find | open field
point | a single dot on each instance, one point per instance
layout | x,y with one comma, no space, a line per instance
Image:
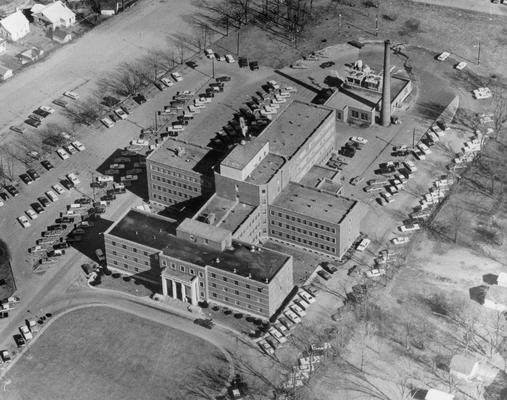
103,353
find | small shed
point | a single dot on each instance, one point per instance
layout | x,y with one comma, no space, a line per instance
5,73
502,279
464,367
61,35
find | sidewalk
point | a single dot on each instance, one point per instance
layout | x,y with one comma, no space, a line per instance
484,6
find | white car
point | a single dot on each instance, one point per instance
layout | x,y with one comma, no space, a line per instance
425,149
177,76
104,179
209,53
306,296
100,255
1,203
410,165
167,81
36,249
461,66
27,335
65,135
73,178
301,303
443,56
374,273
409,227
291,89
58,188
400,240
24,221
78,145
52,195
139,142
120,113
359,139
62,153
71,95
363,244
297,309
108,122
277,335
229,58
31,213
130,177
292,316
47,109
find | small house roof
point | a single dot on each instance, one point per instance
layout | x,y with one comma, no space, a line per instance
54,12
462,364
497,294
4,69
13,22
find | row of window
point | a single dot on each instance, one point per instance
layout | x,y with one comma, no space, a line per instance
175,183
236,282
303,221
304,231
182,268
238,303
125,266
357,114
237,293
124,246
133,258
174,173
164,198
304,241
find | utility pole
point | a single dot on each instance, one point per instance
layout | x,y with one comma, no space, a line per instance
213,66
479,54
237,44
413,139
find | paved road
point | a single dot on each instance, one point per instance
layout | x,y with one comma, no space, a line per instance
484,6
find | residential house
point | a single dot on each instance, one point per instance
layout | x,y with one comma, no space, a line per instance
53,15
502,279
464,367
61,35
496,298
14,26
30,55
3,45
5,73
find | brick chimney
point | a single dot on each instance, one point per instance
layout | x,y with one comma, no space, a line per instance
386,86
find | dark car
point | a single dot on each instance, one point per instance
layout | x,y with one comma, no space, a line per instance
192,64
98,210
67,184
60,102
60,246
47,164
205,323
35,117
330,268
243,62
37,208
56,227
324,275
32,122
12,190
160,86
41,113
33,174
139,99
4,314
119,190
110,101
224,78
43,200
64,220
254,65
26,179
4,196
108,197
327,64
83,200
54,253
20,342
100,185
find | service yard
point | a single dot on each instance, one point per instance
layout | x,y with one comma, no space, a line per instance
99,352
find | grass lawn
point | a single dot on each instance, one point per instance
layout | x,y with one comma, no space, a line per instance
101,353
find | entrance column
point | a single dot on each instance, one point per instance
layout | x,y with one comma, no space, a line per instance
183,293
164,286
174,288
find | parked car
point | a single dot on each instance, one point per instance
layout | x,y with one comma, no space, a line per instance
37,208
12,190
306,296
5,355
277,335
292,316
24,221
58,188
443,56
209,53
329,268
100,255
108,122
43,201
78,145
358,139
177,76
20,341
61,102
409,227
297,309
26,179
72,177
47,109
71,95
31,213
120,113
33,174
229,58
18,128
266,347
52,195
47,164
363,244
62,153
400,240
324,275
33,122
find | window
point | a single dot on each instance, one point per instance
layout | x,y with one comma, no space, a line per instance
213,285
355,114
214,294
115,262
201,275
136,269
145,253
114,253
225,289
134,250
364,116
225,279
147,263
226,298
125,266
247,286
236,292
248,296
135,259
201,284
125,257
202,294
124,246
182,268
213,275
113,243
236,283
259,289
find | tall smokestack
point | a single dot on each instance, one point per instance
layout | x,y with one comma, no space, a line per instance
386,86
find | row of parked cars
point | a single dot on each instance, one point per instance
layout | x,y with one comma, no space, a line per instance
279,331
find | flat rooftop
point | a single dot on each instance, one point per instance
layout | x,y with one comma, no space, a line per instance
266,169
159,233
238,214
147,229
285,134
218,206
316,175
186,156
314,203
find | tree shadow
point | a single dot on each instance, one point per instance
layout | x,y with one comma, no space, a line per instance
490,279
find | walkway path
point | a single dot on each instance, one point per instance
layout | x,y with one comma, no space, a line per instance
484,6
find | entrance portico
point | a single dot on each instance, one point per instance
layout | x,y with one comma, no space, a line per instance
180,286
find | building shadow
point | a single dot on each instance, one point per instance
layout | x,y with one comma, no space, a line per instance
490,279
478,293
92,239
